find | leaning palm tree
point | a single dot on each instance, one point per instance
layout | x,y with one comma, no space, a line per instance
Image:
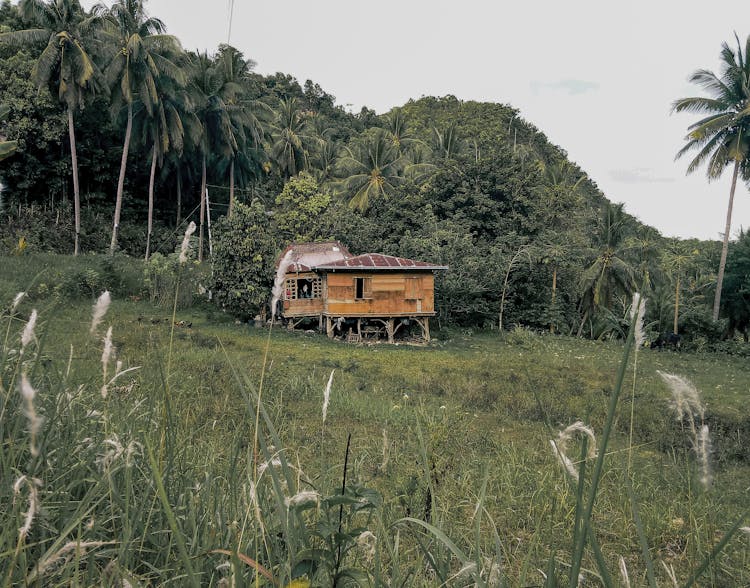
143,54
372,169
65,62
722,138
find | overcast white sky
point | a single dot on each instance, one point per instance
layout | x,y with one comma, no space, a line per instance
597,77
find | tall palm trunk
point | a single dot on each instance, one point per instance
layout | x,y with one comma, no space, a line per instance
676,304
179,197
725,244
76,189
121,180
151,201
203,207
231,188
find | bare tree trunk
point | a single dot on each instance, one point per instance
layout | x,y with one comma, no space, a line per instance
676,305
725,245
76,190
231,188
203,208
179,196
151,201
121,180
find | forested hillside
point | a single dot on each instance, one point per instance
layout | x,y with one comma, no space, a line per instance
134,143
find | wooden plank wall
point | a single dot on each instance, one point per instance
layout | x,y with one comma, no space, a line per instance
390,294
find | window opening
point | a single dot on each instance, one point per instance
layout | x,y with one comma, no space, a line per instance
362,288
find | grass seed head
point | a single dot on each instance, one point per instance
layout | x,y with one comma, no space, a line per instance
35,421
16,301
686,400
278,281
100,309
560,447
624,573
327,396
185,247
33,484
304,498
703,449
28,332
637,312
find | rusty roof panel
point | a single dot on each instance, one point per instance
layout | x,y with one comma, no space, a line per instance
378,261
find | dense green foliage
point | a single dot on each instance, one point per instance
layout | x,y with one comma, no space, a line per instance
529,239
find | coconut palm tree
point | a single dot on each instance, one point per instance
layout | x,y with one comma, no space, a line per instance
371,169
248,119
65,62
288,149
143,54
165,130
722,138
610,274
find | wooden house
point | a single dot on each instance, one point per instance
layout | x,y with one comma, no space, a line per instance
363,296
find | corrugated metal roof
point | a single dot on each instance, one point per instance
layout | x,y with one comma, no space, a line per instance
378,261
305,256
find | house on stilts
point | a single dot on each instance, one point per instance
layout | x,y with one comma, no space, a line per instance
361,297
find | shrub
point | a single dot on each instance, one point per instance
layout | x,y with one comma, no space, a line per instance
243,261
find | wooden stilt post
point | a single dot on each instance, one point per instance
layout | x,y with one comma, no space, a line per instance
359,328
426,329
389,327
329,327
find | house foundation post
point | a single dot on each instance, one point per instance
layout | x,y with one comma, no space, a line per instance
329,327
389,327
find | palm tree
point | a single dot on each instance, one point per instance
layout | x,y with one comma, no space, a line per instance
446,143
248,119
722,138
143,54
289,139
609,274
65,61
372,169
398,131
165,131
677,258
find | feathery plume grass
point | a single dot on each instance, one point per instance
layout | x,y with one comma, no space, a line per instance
28,331
278,281
637,312
100,309
327,396
77,548
624,573
35,421
367,541
384,463
560,446
686,399
33,484
185,247
686,402
745,530
304,498
106,356
16,301
703,449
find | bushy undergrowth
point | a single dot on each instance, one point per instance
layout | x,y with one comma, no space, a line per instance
204,459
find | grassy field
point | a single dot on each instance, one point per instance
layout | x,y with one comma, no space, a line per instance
159,476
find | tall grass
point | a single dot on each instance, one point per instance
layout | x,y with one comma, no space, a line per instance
126,488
